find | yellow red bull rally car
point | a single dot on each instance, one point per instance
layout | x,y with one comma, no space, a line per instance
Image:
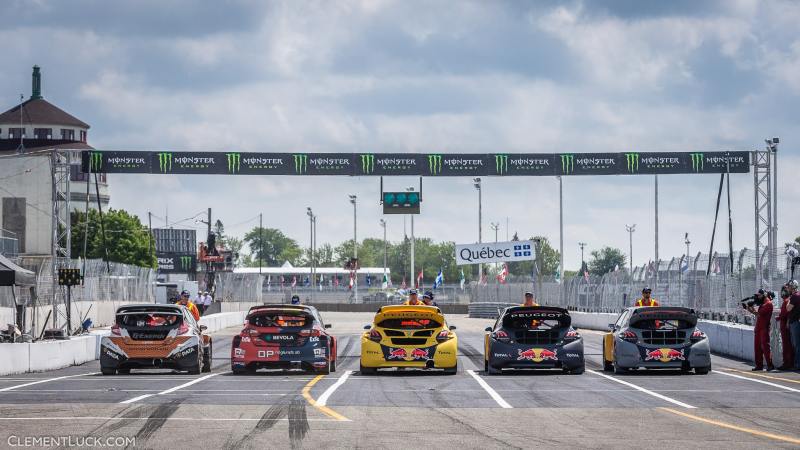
409,336
656,337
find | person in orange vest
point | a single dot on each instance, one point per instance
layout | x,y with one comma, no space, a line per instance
645,299
529,300
413,299
184,300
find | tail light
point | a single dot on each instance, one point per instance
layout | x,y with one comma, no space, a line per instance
375,335
310,332
629,336
500,335
572,335
443,335
115,330
698,335
183,328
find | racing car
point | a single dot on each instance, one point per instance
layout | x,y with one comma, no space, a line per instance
406,336
282,336
155,336
533,337
656,337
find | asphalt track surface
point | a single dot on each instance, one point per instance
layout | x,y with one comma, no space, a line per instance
730,407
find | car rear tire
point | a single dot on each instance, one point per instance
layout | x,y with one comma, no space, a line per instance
207,357
493,371
575,370
702,370
620,370
108,371
124,371
451,370
367,370
485,365
608,366
198,366
238,370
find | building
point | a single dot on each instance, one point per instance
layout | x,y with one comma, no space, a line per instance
30,133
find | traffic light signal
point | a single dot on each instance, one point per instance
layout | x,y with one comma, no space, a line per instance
401,202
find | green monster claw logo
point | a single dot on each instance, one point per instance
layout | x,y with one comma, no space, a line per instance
300,164
435,164
186,262
234,162
367,164
632,159
697,161
95,161
501,164
567,164
165,162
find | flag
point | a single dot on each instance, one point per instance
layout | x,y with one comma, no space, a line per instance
501,277
294,280
369,280
352,280
715,269
404,285
439,280
336,281
282,280
462,280
321,281
269,281
385,282
419,277
585,271
558,275
685,265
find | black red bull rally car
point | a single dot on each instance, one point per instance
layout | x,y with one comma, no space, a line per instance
656,337
533,337
283,336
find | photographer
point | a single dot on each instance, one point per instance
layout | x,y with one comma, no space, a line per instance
760,305
793,309
783,324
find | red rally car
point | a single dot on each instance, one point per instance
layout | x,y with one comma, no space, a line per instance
283,336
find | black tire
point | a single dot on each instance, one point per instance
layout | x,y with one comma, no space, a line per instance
332,356
576,370
451,370
197,367
485,365
124,371
620,370
367,370
207,357
702,370
493,371
108,371
608,366
238,370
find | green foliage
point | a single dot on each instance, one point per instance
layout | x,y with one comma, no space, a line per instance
127,239
606,260
275,249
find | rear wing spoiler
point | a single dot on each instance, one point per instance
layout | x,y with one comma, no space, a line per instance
408,311
149,309
539,313
664,313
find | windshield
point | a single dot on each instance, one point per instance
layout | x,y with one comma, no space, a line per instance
149,320
654,324
409,324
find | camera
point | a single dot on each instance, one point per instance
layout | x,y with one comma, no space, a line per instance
757,299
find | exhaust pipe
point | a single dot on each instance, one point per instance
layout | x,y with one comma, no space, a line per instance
429,364
158,362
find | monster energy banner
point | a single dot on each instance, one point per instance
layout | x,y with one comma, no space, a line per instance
176,263
415,164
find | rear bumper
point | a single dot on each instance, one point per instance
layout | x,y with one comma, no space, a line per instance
631,355
311,355
181,355
437,356
522,356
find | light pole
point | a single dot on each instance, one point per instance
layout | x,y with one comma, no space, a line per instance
495,226
630,229
581,245
355,248
687,242
413,276
385,279
477,184
311,222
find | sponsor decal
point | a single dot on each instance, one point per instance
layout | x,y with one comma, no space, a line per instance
396,163
186,352
282,337
300,163
234,162
329,163
186,262
239,352
501,164
420,353
434,164
367,163
111,354
95,161
502,355
319,352
538,315
164,162
397,353
536,355
632,161
572,355
664,355
697,162
567,164
313,339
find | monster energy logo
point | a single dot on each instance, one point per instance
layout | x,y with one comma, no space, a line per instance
95,161
632,159
300,164
697,161
165,162
234,162
367,163
435,164
501,163
567,164
186,262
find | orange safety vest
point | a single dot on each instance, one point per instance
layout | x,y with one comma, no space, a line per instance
193,309
653,302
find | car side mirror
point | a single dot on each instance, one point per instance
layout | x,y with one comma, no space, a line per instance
489,329
203,327
367,327
452,327
327,325
612,326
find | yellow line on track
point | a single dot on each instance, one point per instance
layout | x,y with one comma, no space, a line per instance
764,434
323,409
764,376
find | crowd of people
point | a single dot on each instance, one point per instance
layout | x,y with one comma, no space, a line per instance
788,322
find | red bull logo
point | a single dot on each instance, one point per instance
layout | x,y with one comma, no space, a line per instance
419,353
664,355
536,355
397,353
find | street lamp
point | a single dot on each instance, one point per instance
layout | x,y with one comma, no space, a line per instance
477,184
385,279
312,219
355,248
581,245
413,276
630,229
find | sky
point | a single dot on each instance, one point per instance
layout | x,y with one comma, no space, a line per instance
414,76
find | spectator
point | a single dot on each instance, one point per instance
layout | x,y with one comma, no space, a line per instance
207,301
761,347
793,309
184,301
199,302
786,336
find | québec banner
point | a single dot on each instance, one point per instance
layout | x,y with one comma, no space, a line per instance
491,252
415,164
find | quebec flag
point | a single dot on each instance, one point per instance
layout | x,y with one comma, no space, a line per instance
439,280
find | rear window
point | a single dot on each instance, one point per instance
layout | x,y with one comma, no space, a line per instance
149,320
409,324
281,320
525,321
654,324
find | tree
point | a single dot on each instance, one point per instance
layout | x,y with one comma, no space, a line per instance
127,239
235,245
219,230
276,249
606,260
